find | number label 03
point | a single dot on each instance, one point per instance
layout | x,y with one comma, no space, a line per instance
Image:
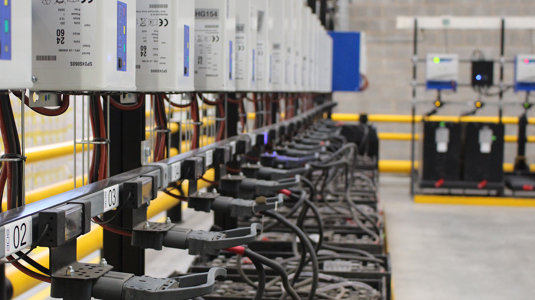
111,198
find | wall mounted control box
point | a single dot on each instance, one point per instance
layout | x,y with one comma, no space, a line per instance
278,33
246,27
165,30
525,73
263,47
15,47
84,45
482,73
215,45
442,71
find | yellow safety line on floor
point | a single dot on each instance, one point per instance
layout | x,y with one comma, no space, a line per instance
474,200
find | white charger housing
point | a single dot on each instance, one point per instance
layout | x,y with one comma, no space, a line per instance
246,28
215,45
263,47
278,33
289,37
84,45
299,11
165,31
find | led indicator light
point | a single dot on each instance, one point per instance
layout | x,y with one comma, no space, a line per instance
124,48
6,26
436,60
442,124
124,29
478,77
6,2
494,138
526,61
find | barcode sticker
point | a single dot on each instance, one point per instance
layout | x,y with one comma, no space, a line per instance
18,236
157,5
111,198
46,57
175,171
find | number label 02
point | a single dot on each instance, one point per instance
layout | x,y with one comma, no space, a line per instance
18,236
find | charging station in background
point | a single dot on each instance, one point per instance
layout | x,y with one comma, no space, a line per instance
349,61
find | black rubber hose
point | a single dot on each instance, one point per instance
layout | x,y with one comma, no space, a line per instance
308,245
260,290
277,268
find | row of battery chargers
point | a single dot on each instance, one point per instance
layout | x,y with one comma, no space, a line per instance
170,46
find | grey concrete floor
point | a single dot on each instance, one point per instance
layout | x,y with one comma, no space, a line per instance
458,252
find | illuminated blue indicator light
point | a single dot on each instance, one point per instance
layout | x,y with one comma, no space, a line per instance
265,138
478,77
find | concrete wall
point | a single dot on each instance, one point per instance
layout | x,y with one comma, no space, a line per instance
390,52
